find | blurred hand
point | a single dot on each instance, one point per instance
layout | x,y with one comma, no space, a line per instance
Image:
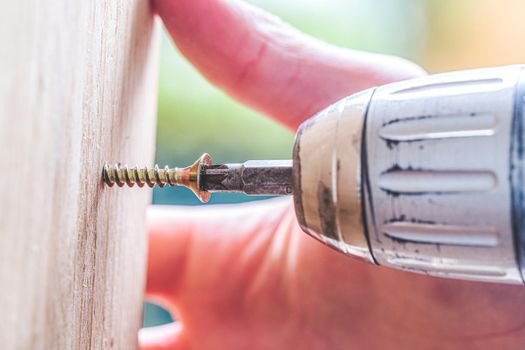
245,276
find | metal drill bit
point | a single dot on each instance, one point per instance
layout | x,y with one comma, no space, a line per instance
254,177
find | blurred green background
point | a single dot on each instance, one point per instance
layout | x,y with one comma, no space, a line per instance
195,117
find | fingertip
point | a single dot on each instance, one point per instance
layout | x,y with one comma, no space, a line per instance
399,68
165,337
169,236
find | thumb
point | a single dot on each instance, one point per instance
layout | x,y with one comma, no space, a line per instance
188,246
203,258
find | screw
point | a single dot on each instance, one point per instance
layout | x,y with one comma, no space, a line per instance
188,177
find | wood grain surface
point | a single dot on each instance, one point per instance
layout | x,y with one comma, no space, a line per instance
77,88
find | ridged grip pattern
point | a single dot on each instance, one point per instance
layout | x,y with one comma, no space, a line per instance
437,182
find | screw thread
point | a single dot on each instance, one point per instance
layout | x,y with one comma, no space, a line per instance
123,175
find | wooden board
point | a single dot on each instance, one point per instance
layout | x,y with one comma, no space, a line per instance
77,88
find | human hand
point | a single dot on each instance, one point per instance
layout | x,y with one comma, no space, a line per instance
246,276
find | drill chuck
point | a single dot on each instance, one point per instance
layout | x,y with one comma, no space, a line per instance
425,175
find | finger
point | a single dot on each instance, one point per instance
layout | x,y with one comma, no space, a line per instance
165,337
269,65
190,248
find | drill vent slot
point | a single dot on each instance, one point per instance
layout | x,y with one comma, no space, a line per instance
459,235
427,181
437,127
451,88
444,269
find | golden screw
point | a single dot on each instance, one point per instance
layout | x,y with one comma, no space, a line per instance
188,177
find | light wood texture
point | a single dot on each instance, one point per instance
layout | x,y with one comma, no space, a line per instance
77,88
